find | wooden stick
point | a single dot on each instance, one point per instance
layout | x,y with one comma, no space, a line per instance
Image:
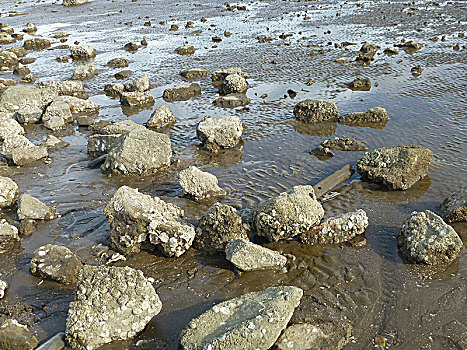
333,180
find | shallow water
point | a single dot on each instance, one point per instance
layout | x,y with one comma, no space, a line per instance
411,306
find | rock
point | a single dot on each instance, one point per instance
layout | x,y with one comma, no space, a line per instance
223,132
8,232
231,101
114,89
161,118
9,126
36,44
63,58
411,45
84,72
219,75
312,111
61,35
391,50
118,62
65,88
8,192
15,336
79,107
53,142
173,27
74,2
181,92
217,227
140,84
360,84
30,28
252,321
398,168
417,70
22,70
248,256
233,83
123,74
57,342
287,215
5,83
6,39
139,152
55,263
195,73
119,128
84,52
367,52
373,116
14,141
454,208
8,60
426,238
18,51
32,208
28,79
3,288
185,50
199,184
26,227
22,151
137,99
342,60
338,144
323,336
15,97
111,303
131,46
57,114
337,230
172,238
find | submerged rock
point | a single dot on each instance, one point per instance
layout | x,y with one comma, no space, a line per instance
199,184
287,215
373,116
312,111
8,192
360,84
181,92
426,238
398,168
195,73
411,45
111,303
339,144
57,342
161,118
15,336
454,208
232,84
248,256
84,52
252,321
32,208
231,101
223,132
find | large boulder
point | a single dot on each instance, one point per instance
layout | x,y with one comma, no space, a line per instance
454,208
249,322
139,152
217,227
21,151
375,115
425,238
398,168
84,52
111,303
312,111
15,336
8,192
199,184
287,215
181,92
223,132
32,208
15,97
161,118
233,83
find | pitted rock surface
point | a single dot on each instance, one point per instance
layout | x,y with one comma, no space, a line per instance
375,115
84,52
8,233
233,83
140,84
15,336
9,126
195,73
65,88
223,132
15,97
312,111
172,238
161,118
454,208
32,208
137,99
84,72
8,192
199,184
181,92
219,75
248,256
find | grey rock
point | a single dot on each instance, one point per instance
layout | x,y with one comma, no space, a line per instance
217,227
252,321
32,208
140,84
139,152
15,97
118,62
26,227
22,156
111,303
57,342
172,238
18,51
398,168
3,288
137,99
28,79
8,232
233,83
9,126
181,92
15,336
8,192
65,88
367,52
195,73
99,145
338,229
84,72
454,208
80,107
114,89
28,114
120,127
223,132
56,263
8,60
74,2
199,184
248,256
219,75
185,50
161,118
312,111
84,52
36,44
53,142
231,101
375,115
14,141
360,84
425,238
57,114
287,215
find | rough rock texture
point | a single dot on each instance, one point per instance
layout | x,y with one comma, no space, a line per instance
118,62
21,151
185,50
454,208
114,89
231,101
161,118
233,83
57,114
367,52
84,52
140,84
57,342
360,84
426,238
138,152
65,88
287,215
36,44
218,226
15,336
6,39
375,115
56,263
123,74
84,72
411,45
14,141
9,126
312,111
252,321
172,238
8,232
111,303
398,168
3,288
74,2
30,28
248,256
32,208
53,142
15,97
8,192
324,336
18,51
223,132
182,92
8,60
28,114
137,99
195,73
131,46
219,75
199,184
338,229
339,144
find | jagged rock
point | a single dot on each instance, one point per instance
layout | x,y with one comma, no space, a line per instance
185,50
6,39
22,151
454,208
161,118
217,227
375,115
74,2
231,101
172,238
114,89
8,60
338,144
140,84
287,215
338,229
15,97
99,145
56,263
8,192
18,51
9,126
426,238
181,92
248,256
14,141
252,321
223,132
30,28
111,303
199,184
3,288
312,111
36,44
8,232
84,72
195,73
66,88
137,99
398,168
118,62
32,208
232,84
367,52
360,84
57,114
84,52
79,107
219,75
15,336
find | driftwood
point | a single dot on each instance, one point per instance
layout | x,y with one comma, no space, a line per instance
333,180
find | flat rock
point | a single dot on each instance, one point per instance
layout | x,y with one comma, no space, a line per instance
425,238
161,118
252,321
181,92
32,208
199,184
312,111
9,126
84,52
22,156
123,74
339,144
137,99
66,88
233,84
8,192
287,215
57,342
454,208
195,73
223,132
373,116
231,101
15,336
36,44
15,97
397,168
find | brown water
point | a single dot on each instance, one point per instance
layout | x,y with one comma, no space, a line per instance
413,307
